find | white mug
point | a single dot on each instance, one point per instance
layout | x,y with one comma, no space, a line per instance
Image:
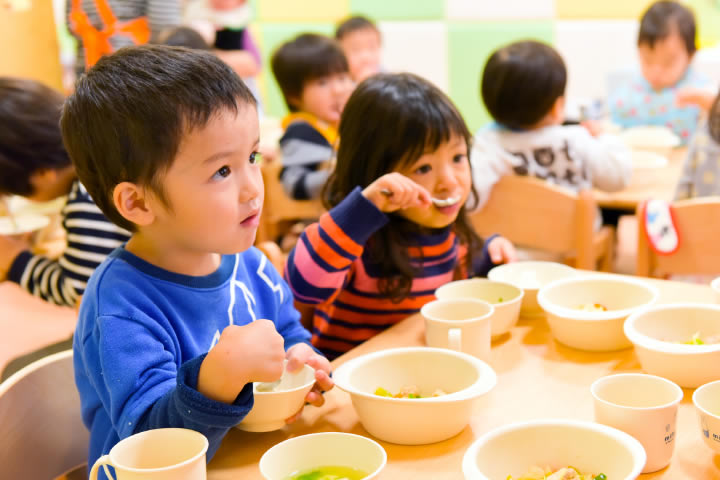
160,454
644,406
459,324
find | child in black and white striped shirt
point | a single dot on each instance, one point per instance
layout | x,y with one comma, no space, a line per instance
35,165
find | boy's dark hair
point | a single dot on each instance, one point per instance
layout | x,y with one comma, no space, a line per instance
130,112
302,59
183,37
410,117
521,82
664,17
353,24
30,139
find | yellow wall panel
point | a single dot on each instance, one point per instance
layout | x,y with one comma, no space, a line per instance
302,10
600,9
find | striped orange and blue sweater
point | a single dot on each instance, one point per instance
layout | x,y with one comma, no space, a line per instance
329,268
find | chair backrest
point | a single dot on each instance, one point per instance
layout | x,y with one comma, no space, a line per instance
40,425
533,213
279,206
697,221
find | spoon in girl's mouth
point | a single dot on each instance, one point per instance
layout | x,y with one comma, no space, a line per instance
438,202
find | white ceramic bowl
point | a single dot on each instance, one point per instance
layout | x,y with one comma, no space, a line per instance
589,330
306,452
504,297
657,334
530,276
707,406
415,421
270,409
589,447
715,284
653,138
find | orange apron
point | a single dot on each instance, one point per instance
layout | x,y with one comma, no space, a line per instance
97,42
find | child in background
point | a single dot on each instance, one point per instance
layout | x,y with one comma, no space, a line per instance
35,165
666,46
183,37
361,41
176,324
523,88
701,172
396,229
312,73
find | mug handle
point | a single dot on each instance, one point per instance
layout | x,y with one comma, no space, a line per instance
455,339
103,461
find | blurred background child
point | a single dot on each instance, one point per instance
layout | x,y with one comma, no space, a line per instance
35,165
396,229
701,171
666,46
523,88
361,41
312,73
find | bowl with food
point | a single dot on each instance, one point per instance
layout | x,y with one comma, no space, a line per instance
324,456
530,276
415,395
588,312
554,450
506,299
680,342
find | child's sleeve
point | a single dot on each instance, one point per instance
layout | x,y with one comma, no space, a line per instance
304,150
163,14
132,365
482,263
608,161
319,264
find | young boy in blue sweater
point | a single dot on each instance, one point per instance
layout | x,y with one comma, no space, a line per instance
176,325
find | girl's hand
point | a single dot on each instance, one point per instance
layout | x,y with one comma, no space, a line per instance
394,191
501,250
301,354
690,96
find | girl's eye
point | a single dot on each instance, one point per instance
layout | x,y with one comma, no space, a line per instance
255,158
222,172
423,169
459,158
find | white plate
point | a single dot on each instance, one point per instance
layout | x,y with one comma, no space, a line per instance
25,223
23,206
642,159
651,136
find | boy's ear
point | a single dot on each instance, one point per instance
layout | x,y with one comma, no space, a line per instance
131,201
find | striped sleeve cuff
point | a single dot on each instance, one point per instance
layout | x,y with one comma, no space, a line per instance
358,217
18,266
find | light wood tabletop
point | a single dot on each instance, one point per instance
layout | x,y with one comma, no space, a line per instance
646,183
537,378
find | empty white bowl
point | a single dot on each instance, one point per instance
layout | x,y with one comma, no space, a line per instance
707,406
530,276
658,333
419,421
308,452
715,285
653,138
589,447
271,409
590,330
504,297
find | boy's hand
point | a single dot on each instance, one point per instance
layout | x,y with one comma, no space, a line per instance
395,191
501,250
251,353
301,354
593,127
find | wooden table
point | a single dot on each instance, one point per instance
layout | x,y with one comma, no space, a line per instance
537,378
646,183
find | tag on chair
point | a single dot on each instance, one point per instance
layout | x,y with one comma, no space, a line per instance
659,226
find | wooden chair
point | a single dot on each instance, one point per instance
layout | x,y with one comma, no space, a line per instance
698,224
40,425
279,208
533,213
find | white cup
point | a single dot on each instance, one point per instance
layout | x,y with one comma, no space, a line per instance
644,406
459,324
160,454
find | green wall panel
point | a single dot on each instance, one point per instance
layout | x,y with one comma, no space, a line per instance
399,9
